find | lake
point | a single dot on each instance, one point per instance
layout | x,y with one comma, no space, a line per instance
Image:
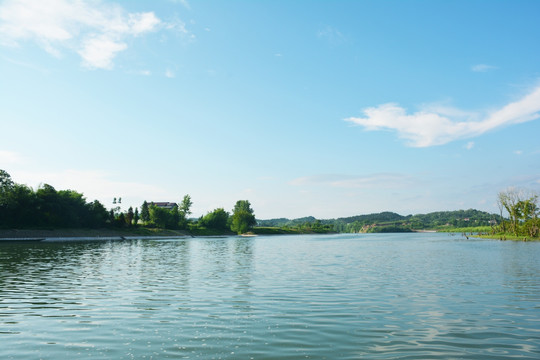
368,296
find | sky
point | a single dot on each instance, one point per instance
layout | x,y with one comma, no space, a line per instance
304,108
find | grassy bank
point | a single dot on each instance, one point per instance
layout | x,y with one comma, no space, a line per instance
268,230
466,230
502,236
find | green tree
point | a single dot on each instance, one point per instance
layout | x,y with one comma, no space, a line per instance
73,208
160,217
6,184
97,215
6,187
129,216
120,220
136,217
175,221
145,212
522,208
19,208
185,206
243,218
216,219
49,205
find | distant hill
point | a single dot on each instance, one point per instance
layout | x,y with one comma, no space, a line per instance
286,222
390,221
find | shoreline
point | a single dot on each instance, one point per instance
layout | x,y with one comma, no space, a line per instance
91,238
80,235
58,235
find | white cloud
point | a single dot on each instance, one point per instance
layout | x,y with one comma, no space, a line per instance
140,23
518,152
437,126
96,31
170,74
483,68
99,52
469,145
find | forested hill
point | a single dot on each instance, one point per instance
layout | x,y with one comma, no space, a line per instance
390,221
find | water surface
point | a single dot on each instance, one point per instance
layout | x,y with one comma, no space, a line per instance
391,296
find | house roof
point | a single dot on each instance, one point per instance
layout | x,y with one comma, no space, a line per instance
164,204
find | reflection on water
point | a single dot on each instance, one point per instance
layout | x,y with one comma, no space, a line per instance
388,296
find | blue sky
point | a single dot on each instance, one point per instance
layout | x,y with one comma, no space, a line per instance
322,108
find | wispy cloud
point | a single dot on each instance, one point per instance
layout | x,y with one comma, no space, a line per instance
10,157
184,3
380,180
469,145
179,27
483,68
96,31
170,74
331,34
437,125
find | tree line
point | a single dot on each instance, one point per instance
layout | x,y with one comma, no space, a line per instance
22,207
46,207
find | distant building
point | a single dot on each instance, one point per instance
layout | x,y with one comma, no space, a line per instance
164,205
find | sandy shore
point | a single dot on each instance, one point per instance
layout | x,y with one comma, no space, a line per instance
85,235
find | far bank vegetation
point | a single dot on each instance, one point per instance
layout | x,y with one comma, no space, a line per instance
21,207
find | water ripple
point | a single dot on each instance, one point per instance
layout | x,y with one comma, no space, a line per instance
333,297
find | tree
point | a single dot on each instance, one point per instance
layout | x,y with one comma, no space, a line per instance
161,217
145,212
97,214
6,184
175,217
522,206
49,205
136,217
19,207
216,219
6,187
508,199
501,207
186,205
243,218
112,217
121,220
129,216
